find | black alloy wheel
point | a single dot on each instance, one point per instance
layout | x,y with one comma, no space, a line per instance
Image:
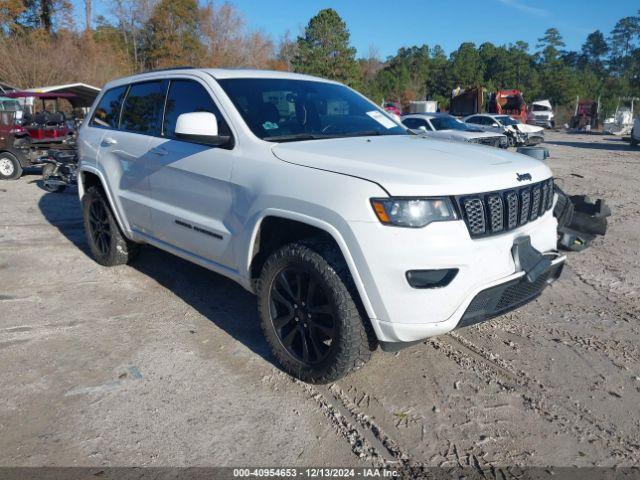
108,245
99,227
302,315
308,312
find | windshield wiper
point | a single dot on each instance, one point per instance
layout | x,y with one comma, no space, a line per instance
368,133
315,136
294,137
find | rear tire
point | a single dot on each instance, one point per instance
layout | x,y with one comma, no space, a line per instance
47,172
308,315
10,168
108,245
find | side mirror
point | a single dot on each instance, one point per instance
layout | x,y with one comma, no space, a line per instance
422,128
200,127
495,124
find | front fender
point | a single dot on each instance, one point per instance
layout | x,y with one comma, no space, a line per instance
115,208
337,228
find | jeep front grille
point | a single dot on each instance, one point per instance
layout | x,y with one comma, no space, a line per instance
496,212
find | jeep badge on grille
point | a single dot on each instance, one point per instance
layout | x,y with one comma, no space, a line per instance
521,177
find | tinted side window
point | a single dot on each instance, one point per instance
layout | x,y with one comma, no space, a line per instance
142,108
410,122
475,120
488,121
415,123
186,96
107,112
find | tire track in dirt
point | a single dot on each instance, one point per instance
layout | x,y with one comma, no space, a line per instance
352,419
572,419
618,352
386,450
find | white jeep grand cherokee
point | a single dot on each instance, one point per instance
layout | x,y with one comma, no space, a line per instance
352,231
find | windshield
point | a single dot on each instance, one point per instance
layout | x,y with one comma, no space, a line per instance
10,104
449,123
541,108
507,120
284,110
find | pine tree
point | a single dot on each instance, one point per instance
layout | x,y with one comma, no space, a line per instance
324,49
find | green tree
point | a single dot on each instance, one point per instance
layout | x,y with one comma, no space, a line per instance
623,40
172,34
324,50
595,47
550,45
467,68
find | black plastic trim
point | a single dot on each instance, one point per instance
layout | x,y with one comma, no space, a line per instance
446,276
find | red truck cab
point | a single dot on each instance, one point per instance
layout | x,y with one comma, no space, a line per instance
508,102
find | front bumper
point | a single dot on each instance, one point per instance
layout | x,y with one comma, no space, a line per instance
494,299
405,314
505,297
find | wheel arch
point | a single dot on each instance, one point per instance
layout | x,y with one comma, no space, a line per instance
89,177
307,225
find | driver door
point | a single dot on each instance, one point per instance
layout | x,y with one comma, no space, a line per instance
189,182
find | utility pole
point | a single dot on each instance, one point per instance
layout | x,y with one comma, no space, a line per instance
87,12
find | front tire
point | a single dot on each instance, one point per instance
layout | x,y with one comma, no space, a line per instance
108,245
10,168
308,315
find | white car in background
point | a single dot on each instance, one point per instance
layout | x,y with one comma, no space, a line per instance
519,133
447,127
541,114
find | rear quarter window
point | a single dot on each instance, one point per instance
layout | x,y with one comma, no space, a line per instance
107,113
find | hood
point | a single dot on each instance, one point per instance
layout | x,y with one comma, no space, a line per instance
415,165
462,134
526,128
543,103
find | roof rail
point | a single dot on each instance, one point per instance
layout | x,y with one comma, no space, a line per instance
186,67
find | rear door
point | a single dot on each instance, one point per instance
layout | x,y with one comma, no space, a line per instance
190,182
123,152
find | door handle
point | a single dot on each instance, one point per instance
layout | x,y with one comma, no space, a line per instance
108,141
160,151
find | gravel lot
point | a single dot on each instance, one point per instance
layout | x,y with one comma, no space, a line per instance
163,363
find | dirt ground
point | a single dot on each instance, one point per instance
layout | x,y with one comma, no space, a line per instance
163,363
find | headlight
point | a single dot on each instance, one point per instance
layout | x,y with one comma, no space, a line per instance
413,212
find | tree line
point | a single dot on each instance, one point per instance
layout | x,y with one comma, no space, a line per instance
41,43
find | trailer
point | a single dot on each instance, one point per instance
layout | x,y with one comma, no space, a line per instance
466,101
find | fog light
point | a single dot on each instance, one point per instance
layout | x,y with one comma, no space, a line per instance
431,278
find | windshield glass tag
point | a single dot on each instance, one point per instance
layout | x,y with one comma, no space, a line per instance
381,119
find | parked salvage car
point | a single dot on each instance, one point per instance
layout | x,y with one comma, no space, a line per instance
352,231
621,122
517,132
448,127
541,114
